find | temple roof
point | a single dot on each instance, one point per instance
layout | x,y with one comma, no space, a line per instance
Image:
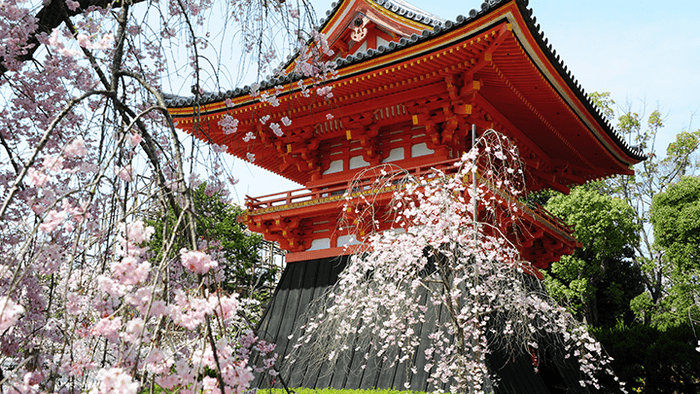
535,46
398,7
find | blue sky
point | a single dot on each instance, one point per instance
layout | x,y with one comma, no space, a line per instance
646,53
637,50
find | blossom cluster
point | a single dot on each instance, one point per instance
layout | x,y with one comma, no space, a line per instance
439,256
99,292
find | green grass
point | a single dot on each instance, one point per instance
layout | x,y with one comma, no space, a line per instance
160,390
336,391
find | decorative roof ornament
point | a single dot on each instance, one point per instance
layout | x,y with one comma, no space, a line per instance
359,28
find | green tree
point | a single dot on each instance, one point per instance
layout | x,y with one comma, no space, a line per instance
598,280
652,176
656,353
675,215
223,235
652,360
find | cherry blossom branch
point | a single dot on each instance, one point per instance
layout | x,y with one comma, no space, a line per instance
42,142
81,285
10,154
119,46
148,143
49,18
88,54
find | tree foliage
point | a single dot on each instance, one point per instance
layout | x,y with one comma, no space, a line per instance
662,197
675,215
598,280
653,176
651,359
223,235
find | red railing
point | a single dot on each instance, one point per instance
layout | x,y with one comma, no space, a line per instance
367,183
538,212
556,221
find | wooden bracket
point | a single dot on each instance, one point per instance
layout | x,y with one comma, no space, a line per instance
366,131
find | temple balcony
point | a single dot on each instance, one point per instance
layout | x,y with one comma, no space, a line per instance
308,223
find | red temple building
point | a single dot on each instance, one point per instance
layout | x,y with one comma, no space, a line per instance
409,87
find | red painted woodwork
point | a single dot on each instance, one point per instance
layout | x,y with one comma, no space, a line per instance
413,106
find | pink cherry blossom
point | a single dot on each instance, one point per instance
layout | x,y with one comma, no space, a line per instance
135,139
325,92
130,270
124,173
53,163
105,42
83,289
276,129
249,136
76,148
84,40
168,382
72,5
189,312
108,328
210,385
478,275
270,99
10,311
110,286
115,381
197,261
229,124
225,307
133,330
32,378
219,148
52,220
137,231
37,178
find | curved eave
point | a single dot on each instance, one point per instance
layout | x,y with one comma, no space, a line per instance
209,131
566,81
